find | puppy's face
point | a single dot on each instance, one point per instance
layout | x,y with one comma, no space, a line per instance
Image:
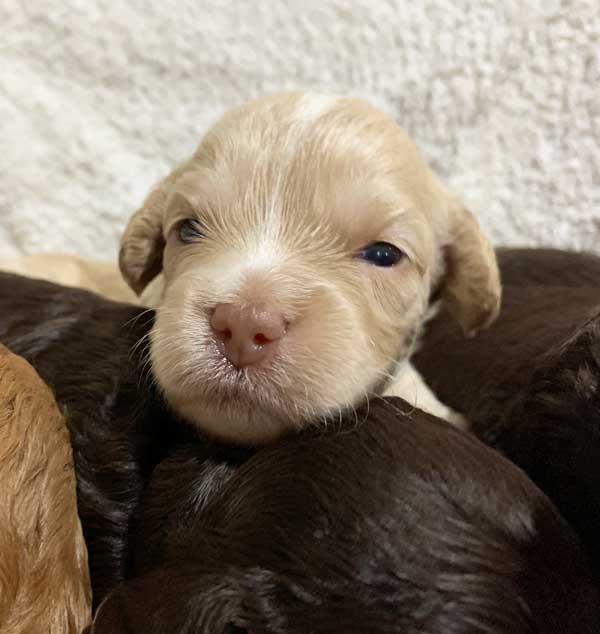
303,237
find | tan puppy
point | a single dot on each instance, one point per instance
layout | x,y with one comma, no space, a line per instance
44,579
300,246
103,278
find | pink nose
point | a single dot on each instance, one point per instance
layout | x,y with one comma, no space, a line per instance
247,335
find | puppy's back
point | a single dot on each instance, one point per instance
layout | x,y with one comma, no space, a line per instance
401,525
529,384
548,267
44,581
103,278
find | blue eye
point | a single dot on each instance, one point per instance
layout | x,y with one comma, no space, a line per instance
190,230
381,254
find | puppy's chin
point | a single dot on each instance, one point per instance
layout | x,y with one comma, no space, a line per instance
233,422
247,407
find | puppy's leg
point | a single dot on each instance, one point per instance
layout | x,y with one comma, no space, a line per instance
44,579
410,386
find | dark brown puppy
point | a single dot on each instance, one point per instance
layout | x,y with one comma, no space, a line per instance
402,524
530,384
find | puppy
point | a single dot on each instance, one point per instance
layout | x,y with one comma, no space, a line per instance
103,278
399,526
44,580
530,384
305,235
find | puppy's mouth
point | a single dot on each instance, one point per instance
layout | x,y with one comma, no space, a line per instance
242,397
251,360
234,377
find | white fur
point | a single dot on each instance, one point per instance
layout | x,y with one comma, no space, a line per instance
410,386
313,106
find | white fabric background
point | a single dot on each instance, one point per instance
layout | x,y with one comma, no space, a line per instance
99,97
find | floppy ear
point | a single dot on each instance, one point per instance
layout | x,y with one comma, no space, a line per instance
471,288
142,244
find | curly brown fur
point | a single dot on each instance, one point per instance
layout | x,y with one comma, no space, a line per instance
530,384
44,580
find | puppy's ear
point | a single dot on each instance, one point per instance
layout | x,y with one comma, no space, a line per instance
471,288
142,244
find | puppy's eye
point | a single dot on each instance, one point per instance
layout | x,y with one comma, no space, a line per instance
381,254
190,230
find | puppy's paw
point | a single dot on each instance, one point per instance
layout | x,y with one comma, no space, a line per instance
455,418
410,386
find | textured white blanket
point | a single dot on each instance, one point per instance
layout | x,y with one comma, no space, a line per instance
99,97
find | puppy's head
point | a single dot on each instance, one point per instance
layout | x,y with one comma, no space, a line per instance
304,235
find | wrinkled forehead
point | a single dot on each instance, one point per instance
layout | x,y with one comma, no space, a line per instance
309,159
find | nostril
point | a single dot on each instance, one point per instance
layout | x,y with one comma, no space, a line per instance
226,333
260,339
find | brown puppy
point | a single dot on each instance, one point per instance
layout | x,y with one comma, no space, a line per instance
44,581
529,385
305,234
402,525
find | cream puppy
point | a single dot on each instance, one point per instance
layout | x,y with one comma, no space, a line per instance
103,278
299,249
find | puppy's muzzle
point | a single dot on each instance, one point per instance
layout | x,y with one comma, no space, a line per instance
247,335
